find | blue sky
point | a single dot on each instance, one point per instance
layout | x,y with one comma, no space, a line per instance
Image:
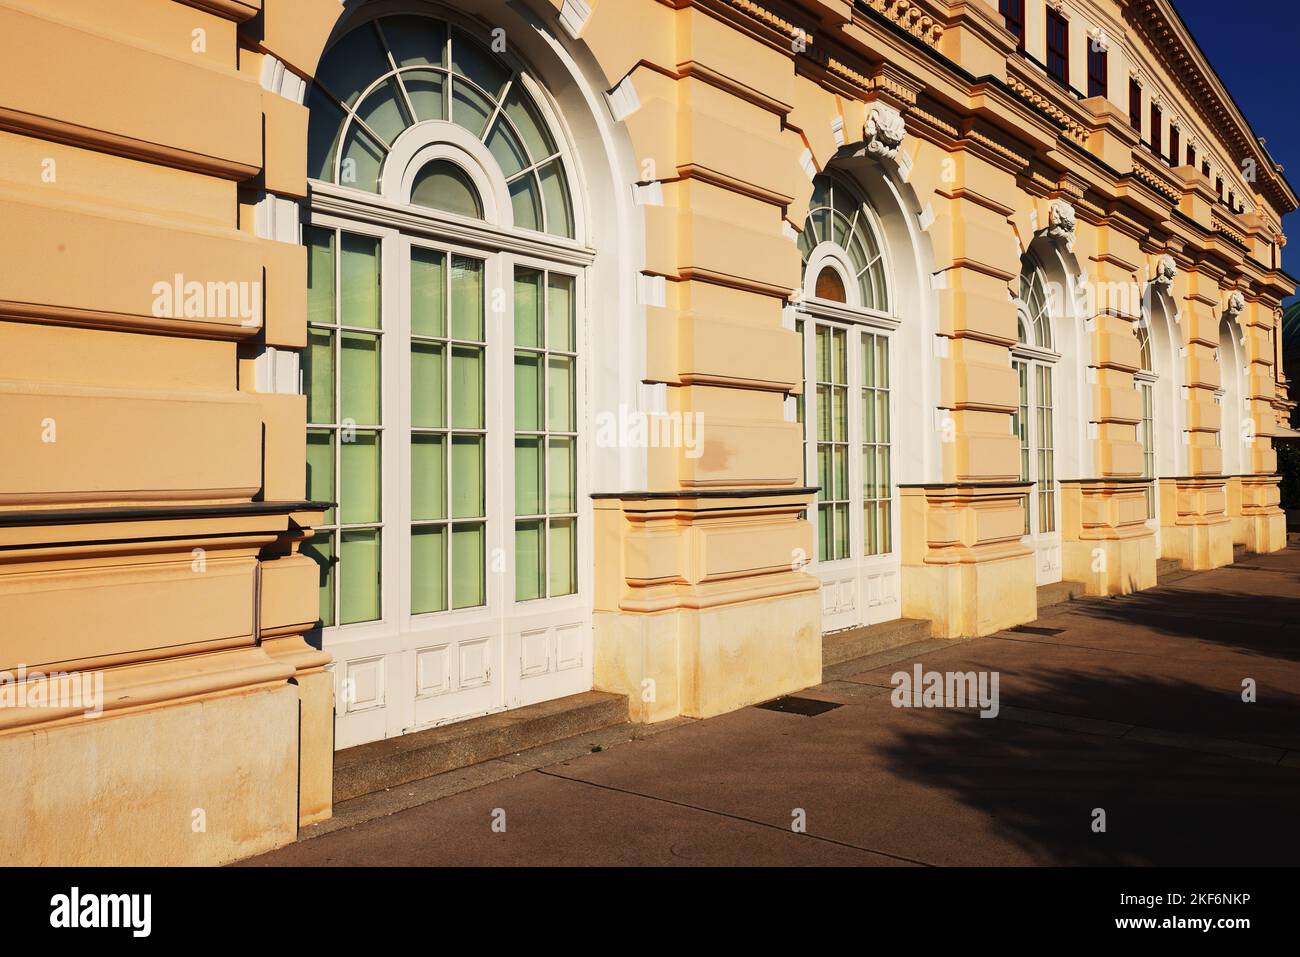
1254,46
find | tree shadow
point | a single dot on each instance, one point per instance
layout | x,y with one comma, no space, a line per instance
1164,805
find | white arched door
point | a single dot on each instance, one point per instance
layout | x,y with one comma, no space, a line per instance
446,332
849,409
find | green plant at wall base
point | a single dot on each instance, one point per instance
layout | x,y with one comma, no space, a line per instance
1288,464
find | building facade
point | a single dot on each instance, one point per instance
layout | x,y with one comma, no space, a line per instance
367,366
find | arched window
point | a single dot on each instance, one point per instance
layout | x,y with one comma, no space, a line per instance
440,198
837,218
393,73
1145,380
846,320
1033,422
1232,407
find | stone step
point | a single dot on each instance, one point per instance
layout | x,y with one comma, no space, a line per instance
1059,592
852,643
1166,566
372,767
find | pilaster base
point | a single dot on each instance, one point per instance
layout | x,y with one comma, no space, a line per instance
1115,566
969,599
707,661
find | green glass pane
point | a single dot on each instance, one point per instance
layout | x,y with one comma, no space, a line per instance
528,307
528,476
559,394
471,59
359,281
523,114
443,185
530,560
353,64
320,549
324,127
870,543
562,543
526,201
468,550
506,148
825,543
428,385
360,378
467,387
469,107
467,298
320,469
384,111
415,40
428,569
840,413
882,472
428,477
868,360
428,93
841,531
319,375
360,486
823,413
561,469
823,342
841,458
428,292
467,476
868,417
359,576
528,392
320,274
869,472
555,192
839,366
824,472
882,364
882,415
560,334
362,158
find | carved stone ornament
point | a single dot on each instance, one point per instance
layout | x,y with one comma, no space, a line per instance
884,131
1166,270
1060,220
1236,304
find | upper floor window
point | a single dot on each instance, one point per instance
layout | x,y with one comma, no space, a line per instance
1191,156
1157,139
1097,85
1135,105
1058,47
1013,14
1205,168
1218,186
1174,146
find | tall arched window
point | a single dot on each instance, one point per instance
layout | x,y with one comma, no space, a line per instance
449,437
1233,427
847,323
1035,359
1145,380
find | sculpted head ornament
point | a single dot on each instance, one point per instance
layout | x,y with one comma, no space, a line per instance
1060,219
1236,303
884,131
1166,270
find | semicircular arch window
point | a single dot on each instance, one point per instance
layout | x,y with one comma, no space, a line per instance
394,72
837,215
1033,294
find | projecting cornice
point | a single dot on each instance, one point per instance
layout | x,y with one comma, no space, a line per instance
1167,35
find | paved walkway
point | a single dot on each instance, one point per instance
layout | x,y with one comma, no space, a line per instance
1130,705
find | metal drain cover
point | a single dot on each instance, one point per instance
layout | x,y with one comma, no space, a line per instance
1033,630
791,704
